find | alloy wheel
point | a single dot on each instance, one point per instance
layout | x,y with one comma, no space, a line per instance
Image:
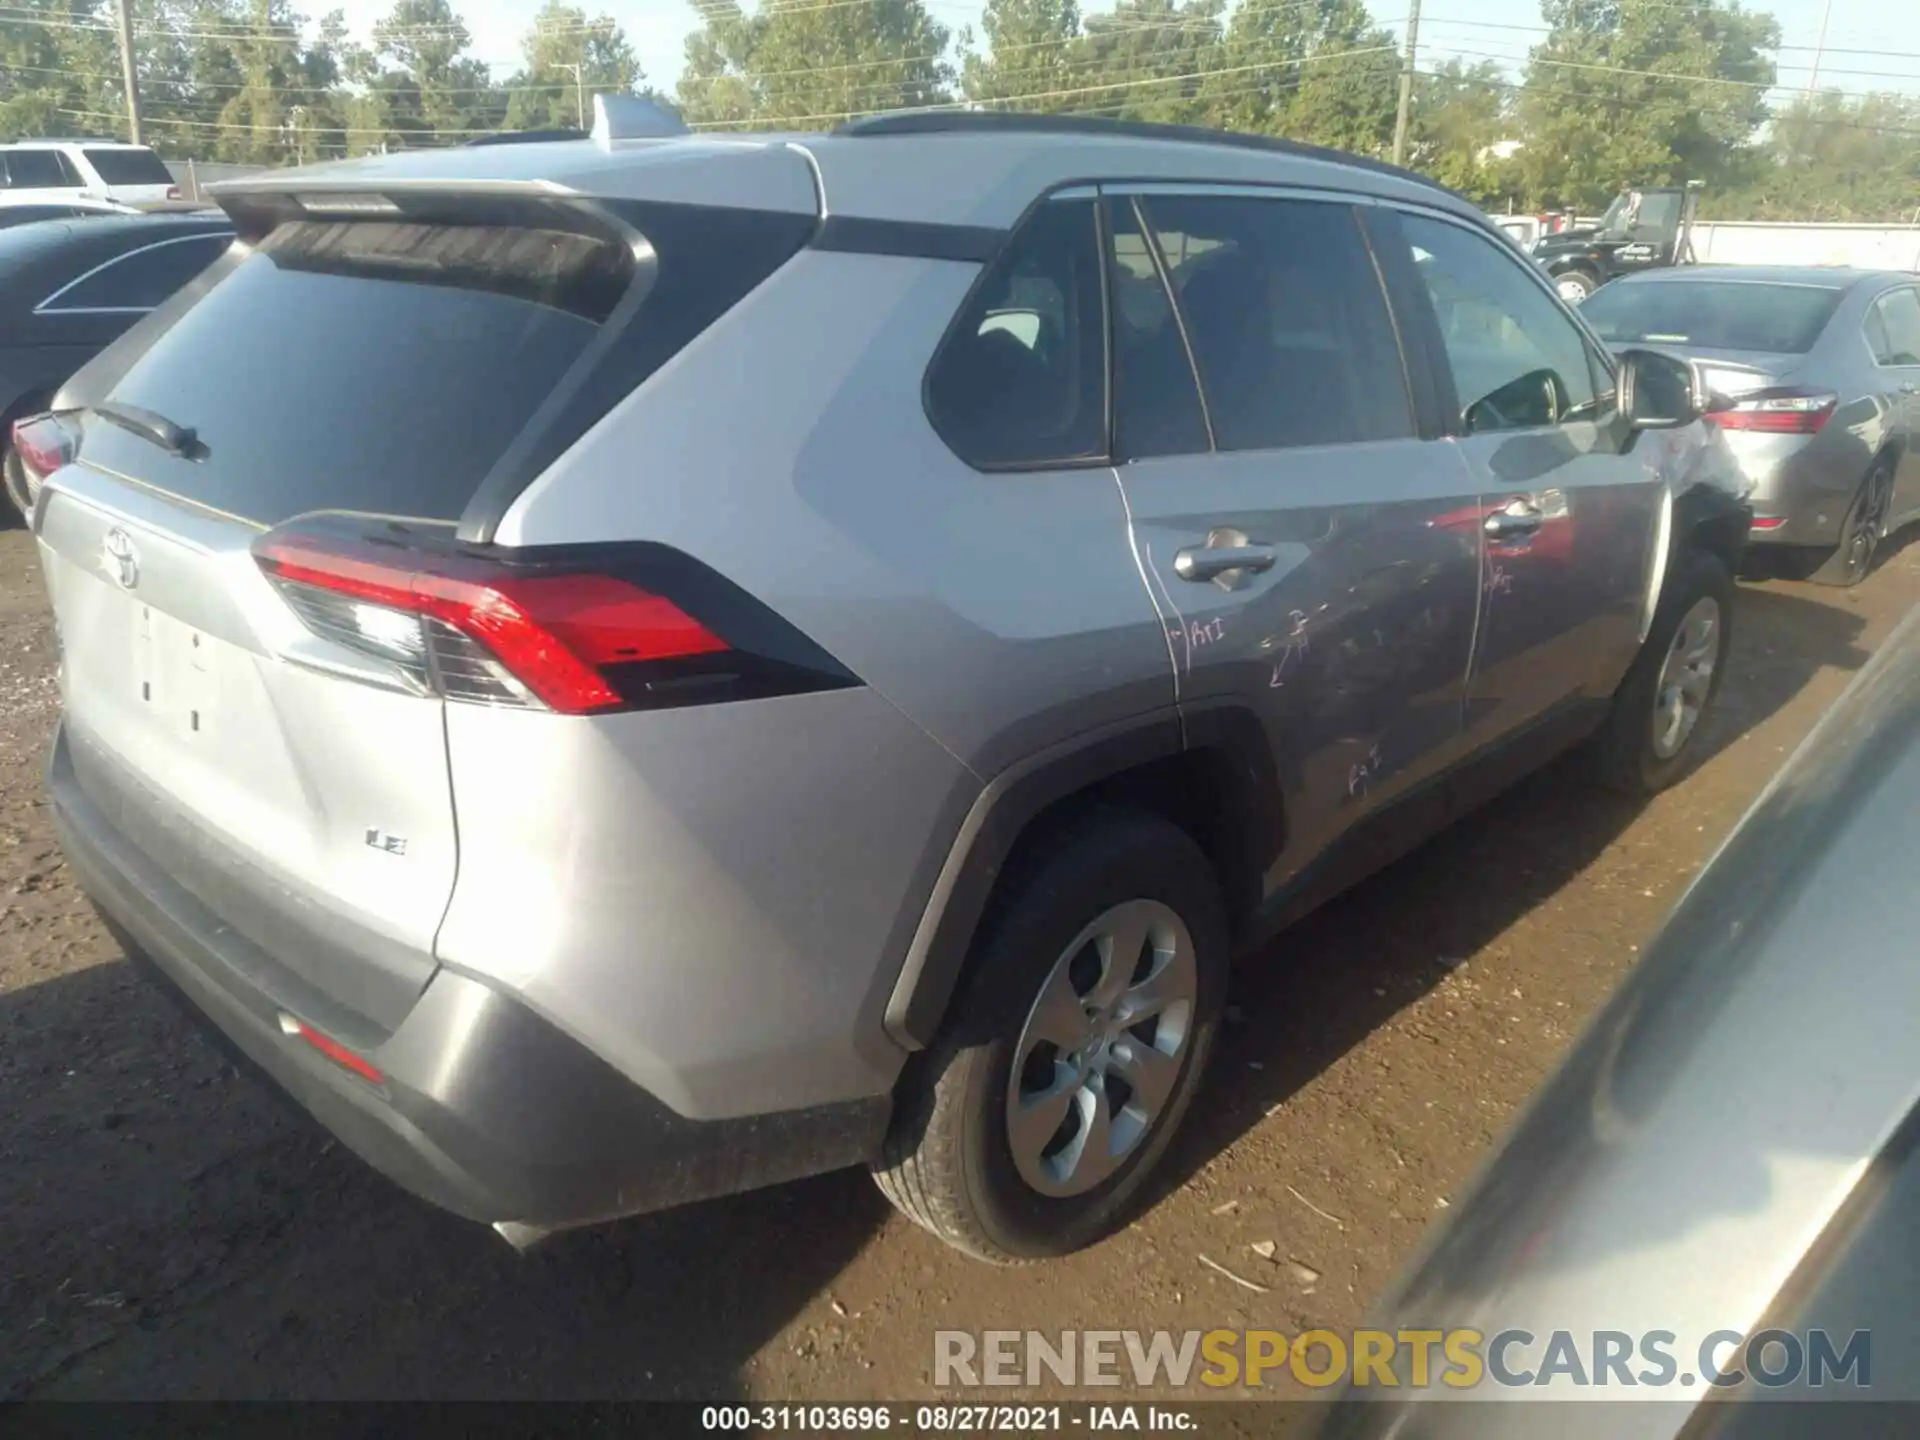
1686,680
1101,1052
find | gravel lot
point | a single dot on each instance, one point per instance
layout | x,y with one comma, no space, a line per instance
167,1228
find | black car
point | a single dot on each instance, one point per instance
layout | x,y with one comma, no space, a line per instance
68,288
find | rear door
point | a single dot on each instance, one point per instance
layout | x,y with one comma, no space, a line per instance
297,786
1893,334
40,173
1572,504
1286,511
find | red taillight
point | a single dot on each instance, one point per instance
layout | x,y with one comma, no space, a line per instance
1768,522
1779,412
332,1049
43,443
556,635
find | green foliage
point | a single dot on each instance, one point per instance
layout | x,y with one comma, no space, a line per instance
807,64
1628,91
1618,92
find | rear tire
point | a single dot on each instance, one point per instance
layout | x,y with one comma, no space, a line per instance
1651,736
973,1155
1861,534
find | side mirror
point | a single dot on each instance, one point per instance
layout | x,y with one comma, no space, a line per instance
1658,392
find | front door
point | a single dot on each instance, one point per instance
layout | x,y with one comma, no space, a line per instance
1572,499
1285,511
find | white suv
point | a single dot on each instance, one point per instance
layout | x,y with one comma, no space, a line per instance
36,171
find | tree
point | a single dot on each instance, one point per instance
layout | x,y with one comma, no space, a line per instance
1259,66
1148,60
1459,122
1029,53
1829,157
545,94
806,64
437,91
1349,85
1629,92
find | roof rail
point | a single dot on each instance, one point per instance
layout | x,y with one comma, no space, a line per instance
963,122
528,137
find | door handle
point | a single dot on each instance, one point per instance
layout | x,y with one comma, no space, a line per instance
1519,518
1206,562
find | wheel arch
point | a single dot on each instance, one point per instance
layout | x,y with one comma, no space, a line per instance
1210,772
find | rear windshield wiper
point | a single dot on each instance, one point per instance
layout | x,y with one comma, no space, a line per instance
156,429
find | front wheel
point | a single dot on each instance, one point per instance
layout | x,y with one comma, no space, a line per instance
1575,285
1651,736
1077,1045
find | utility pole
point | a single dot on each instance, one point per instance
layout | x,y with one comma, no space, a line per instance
579,91
125,7
1819,48
1406,84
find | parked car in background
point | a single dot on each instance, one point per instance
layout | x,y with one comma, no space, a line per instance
887,779
26,212
37,171
69,288
1820,370
1731,1151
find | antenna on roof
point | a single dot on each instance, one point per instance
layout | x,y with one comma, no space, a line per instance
631,117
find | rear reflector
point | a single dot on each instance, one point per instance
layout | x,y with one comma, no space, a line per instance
583,634
1779,412
331,1048
43,443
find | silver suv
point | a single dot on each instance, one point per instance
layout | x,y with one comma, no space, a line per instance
627,669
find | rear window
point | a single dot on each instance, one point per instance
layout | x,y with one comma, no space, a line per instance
1713,314
388,366
129,167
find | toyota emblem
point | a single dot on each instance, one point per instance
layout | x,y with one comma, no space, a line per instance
121,561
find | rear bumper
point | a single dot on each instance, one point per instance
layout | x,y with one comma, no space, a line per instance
1802,486
485,1108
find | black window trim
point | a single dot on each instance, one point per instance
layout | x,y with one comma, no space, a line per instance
48,307
1435,343
1164,273
1873,306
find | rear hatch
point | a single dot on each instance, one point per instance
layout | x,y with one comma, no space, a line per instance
360,369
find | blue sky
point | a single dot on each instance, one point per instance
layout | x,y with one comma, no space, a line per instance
1473,29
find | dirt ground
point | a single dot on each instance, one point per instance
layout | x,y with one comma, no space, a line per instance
168,1229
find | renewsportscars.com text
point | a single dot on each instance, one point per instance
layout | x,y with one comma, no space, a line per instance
1414,1359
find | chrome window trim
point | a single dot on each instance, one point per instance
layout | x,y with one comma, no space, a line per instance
47,306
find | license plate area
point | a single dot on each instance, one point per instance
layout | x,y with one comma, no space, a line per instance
175,671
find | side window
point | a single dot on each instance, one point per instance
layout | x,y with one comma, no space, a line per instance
1287,320
1893,328
1156,407
35,170
142,279
1518,362
69,172
1021,380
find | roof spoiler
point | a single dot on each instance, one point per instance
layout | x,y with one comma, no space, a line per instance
633,117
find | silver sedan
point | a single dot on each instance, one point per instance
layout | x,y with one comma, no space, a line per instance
1818,372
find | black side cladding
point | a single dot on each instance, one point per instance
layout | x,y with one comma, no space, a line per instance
704,260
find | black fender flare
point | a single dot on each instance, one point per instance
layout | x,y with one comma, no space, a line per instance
1020,795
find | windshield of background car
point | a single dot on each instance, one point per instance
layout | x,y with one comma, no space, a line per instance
1713,314
1618,217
